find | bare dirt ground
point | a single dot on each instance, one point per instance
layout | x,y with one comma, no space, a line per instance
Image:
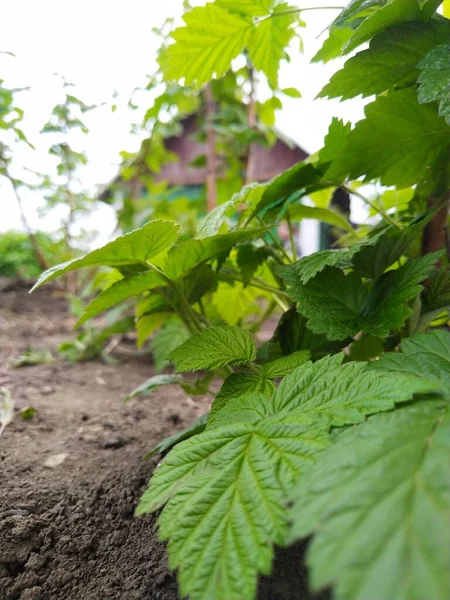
67,532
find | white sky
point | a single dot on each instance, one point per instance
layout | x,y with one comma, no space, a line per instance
107,45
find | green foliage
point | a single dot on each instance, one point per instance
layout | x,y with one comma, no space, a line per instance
17,258
385,481
214,348
397,141
152,384
249,461
434,79
392,60
134,248
277,461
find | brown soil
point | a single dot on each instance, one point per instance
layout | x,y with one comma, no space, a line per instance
68,532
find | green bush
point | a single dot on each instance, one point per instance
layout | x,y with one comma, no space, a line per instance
17,258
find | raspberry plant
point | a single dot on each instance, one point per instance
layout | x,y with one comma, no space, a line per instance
339,426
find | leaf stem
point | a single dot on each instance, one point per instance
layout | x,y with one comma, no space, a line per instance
291,237
292,11
256,283
190,316
373,205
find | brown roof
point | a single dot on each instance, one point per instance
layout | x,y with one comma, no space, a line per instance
266,162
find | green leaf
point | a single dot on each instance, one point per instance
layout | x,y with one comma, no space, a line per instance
225,488
205,47
269,39
340,305
286,364
169,442
292,335
391,61
237,385
325,215
235,302
434,79
398,199
357,11
183,258
429,7
249,259
333,45
306,268
292,92
366,348
344,393
396,142
214,348
148,324
378,502
132,248
372,259
335,140
437,294
152,384
388,307
396,12
119,291
426,355
332,302
170,337
252,8
280,188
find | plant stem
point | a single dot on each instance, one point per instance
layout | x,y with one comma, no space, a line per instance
292,11
378,209
256,283
40,258
291,237
189,316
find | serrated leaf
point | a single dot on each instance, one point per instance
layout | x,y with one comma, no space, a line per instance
426,355
183,258
356,11
372,260
286,364
333,45
396,12
437,294
344,393
119,291
335,140
152,384
205,47
269,39
169,442
235,477
292,335
340,305
325,215
434,79
391,61
306,268
214,348
238,385
136,247
227,509
253,8
378,501
148,324
388,307
299,176
172,335
397,141
249,259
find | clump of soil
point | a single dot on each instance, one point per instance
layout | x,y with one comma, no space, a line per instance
72,475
